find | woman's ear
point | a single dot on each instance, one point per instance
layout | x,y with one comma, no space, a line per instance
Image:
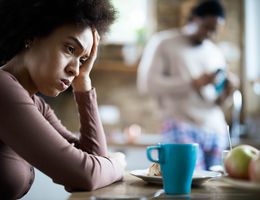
27,44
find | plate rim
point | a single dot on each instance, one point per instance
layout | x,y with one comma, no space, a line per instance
159,178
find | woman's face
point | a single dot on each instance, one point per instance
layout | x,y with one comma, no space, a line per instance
54,61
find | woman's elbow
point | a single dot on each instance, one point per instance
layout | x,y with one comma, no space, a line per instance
84,187
82,184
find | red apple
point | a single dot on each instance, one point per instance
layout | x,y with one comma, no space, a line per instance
237,161
254,168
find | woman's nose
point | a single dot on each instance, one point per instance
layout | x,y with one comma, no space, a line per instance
73,68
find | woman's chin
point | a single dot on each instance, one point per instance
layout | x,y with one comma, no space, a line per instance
53,93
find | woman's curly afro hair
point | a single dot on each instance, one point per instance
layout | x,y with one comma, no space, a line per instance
21,20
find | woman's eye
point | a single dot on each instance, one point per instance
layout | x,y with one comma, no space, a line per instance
83,60
70,49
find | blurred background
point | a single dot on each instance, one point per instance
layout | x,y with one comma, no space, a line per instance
114,74
130,119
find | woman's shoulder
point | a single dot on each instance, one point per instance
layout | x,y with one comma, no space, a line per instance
6,77
12,93
11,90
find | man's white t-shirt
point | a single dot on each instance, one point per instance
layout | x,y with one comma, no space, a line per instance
169,64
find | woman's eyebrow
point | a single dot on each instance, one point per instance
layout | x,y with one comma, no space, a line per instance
77,41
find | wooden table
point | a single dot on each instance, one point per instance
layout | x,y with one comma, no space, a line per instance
134,187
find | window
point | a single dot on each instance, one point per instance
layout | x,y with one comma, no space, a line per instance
131,24
252,39
252,46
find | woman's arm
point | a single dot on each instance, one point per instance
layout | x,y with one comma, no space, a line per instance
92,138
31,136
51,117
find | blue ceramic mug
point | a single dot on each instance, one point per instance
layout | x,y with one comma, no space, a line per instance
177,162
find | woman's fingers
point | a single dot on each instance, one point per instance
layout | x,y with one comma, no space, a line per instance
83,82
87,66
119,156
96,39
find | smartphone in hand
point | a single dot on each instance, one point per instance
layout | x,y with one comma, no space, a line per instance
220,81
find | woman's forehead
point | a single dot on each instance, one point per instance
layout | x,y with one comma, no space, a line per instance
82,36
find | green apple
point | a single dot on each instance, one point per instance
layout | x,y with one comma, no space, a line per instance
254,168
237,161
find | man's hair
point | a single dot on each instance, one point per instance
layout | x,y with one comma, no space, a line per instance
209,8
22,20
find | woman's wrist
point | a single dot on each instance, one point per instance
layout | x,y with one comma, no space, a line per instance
82,84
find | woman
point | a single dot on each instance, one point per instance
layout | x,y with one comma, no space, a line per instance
46,46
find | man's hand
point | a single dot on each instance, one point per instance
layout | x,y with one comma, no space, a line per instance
203,80
231,85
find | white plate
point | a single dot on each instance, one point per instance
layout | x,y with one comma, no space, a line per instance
199,176
241,184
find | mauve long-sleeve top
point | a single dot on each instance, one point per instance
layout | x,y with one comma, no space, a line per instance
32,136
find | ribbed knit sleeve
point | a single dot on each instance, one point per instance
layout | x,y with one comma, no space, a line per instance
33,138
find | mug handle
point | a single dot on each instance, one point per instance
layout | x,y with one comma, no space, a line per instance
148,153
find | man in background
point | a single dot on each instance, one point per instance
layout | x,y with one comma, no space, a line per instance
180,69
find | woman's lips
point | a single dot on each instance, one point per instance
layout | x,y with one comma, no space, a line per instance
65,84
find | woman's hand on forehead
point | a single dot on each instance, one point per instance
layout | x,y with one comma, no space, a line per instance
83,82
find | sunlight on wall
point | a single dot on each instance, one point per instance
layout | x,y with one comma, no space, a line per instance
131,19
252,39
